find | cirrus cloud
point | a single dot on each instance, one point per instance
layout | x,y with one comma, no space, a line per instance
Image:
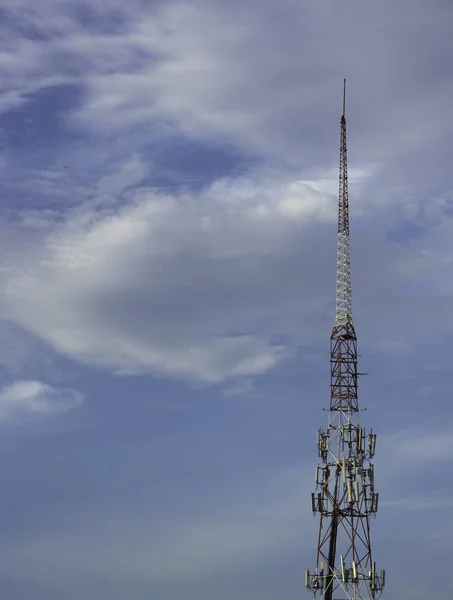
175,285
24,398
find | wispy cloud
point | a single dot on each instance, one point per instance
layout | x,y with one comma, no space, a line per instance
209,285
170,63
25,398
168,284
421,446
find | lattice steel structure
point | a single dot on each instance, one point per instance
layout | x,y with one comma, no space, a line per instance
345,497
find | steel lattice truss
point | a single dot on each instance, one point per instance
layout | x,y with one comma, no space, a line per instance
345,497
343,313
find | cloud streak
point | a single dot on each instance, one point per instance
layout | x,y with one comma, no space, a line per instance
34,398
175,285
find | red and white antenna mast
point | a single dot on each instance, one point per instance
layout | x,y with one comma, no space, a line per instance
345,497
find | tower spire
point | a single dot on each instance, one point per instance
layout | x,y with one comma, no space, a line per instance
344,97
345,497
343,313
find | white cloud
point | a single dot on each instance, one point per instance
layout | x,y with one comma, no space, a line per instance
175,285
201,285
228,82
412,460
23,398
170,63
245,387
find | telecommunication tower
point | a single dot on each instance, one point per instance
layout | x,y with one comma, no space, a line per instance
345,497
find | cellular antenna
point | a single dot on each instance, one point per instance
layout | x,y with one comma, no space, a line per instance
345,496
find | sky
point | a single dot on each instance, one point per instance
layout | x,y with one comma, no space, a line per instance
168,198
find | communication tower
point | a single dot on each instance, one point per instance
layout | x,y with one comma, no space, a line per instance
345,496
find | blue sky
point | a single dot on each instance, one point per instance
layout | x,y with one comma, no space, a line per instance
168,191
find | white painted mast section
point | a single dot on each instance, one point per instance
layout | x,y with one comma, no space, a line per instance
343,313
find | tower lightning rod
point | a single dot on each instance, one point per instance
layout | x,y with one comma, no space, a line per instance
344,97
